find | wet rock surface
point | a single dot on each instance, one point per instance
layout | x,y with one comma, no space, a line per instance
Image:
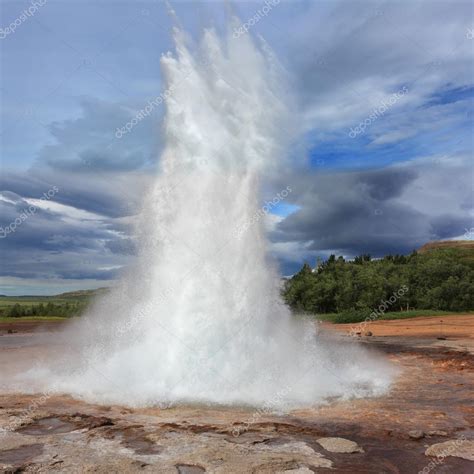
21,454
47,426
431,397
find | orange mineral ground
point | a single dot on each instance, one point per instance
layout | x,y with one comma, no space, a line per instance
453,326
428,411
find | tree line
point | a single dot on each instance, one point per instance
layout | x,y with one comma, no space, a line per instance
441,279
48,309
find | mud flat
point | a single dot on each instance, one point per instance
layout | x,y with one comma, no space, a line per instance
430,403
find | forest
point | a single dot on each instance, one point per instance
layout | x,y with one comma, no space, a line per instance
441,279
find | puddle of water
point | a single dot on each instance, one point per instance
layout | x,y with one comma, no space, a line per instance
47,426
135,438
189,469
141,446
21,454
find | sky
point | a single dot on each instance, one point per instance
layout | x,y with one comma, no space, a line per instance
381,162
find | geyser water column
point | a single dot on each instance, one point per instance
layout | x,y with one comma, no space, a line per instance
199,318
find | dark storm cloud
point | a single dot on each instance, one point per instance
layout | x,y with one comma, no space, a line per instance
124,246
48,243
447,225
387,184
377,212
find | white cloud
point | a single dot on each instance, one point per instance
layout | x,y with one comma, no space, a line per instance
68,213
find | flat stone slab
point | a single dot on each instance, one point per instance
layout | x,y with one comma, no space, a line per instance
298,448
459,448
416,434
437,433
339,445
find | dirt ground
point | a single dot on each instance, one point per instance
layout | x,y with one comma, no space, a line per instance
430,403
19,326
460,326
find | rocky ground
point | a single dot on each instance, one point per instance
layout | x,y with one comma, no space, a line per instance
426,422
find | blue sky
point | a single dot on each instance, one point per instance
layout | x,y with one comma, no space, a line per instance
75,71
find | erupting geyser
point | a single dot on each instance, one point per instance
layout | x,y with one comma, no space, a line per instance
199,318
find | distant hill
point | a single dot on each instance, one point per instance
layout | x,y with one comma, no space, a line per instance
64,305
79,294
448,244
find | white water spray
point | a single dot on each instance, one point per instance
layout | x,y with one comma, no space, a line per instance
200,319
